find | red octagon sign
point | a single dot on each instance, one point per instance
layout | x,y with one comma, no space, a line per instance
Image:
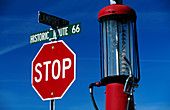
53,70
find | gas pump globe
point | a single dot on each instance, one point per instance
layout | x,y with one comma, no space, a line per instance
119,58
119,53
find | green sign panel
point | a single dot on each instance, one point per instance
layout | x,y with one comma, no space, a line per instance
69,30
63,31
41,36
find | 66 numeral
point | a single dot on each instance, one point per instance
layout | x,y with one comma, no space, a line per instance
76,28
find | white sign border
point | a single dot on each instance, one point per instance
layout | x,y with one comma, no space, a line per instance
74,70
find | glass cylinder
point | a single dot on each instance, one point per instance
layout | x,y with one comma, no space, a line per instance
116,41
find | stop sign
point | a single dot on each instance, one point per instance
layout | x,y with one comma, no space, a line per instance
53,70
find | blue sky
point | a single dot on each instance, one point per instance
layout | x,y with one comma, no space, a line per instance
19,19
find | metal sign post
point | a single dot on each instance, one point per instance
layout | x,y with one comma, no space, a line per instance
50,54
52,104
55,38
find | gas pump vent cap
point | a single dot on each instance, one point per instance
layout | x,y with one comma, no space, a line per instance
117,10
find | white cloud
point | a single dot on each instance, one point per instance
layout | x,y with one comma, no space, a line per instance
9,48
154,106
15,32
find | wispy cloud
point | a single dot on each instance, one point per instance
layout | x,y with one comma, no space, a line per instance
141,60
154,106
15,33
13,81
87,59
156,60
151,20
9,48
16,28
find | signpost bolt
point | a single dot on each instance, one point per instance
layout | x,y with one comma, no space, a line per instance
52,47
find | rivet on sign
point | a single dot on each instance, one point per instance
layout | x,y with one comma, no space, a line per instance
52,47
52,93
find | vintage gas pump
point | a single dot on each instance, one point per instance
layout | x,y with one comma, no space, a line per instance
120,71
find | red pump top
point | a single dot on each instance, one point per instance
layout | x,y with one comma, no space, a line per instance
117,9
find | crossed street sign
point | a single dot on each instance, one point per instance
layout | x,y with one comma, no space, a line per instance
60,28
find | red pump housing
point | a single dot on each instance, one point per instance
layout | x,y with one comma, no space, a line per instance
116,19
117,9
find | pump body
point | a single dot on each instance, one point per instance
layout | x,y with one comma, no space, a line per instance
119,56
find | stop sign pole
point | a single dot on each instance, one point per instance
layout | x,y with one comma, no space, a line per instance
52,104
54,66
